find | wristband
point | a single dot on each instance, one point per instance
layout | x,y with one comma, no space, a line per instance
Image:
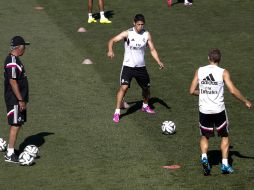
21,100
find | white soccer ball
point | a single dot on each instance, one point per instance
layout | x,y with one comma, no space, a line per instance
32,150
168,127
26,159
3,145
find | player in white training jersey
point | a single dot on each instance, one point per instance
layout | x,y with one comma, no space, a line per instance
210,81
136,40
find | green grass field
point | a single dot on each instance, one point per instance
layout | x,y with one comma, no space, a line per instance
71,105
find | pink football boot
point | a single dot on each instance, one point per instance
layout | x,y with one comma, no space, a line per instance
116,118
147,109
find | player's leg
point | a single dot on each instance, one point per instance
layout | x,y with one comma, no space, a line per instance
143,80
222,127
206,130
124,104
10,154
125,81
224,149
204,144
120,95
225,167
103,19
101,5
90,6
119,98
90,14
146,96
13,133
15,119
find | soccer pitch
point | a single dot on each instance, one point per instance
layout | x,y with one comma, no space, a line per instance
71,105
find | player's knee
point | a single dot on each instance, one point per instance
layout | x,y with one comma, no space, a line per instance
124,88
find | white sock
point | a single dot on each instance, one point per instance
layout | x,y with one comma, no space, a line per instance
102,14
10,151
225,161
144,105
90,15
117,111
204,155
186,1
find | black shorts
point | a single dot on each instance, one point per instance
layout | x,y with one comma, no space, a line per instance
209,122
139,73
15,116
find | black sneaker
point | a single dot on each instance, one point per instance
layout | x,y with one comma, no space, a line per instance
13,158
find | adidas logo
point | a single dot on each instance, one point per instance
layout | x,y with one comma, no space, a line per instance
209,77
133,40
209,80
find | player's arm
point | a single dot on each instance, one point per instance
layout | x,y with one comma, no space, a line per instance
16,91
154,52
233,90
115,39
194,84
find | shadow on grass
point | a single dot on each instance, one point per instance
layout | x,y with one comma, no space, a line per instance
108,14
37,140
215,156
137,105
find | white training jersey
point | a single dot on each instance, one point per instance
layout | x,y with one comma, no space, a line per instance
135,45
211,89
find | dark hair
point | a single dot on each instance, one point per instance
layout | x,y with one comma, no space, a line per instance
214,55
139,17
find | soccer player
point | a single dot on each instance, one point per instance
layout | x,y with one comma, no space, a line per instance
103,19
15,93
136,40
212,113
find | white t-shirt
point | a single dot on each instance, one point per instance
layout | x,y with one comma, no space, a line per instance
211,89
135,45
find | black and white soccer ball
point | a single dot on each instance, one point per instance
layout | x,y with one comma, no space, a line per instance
168,127
26,159
32,150
3,145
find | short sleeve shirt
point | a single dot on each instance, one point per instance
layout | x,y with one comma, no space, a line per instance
14,69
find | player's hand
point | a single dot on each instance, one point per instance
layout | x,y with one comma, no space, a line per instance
22,105
111,54
248,104
161,65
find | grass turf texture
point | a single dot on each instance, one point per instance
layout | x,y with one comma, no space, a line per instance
71,107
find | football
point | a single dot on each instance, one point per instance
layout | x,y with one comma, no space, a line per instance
168,127
32,150
26,159
3,145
